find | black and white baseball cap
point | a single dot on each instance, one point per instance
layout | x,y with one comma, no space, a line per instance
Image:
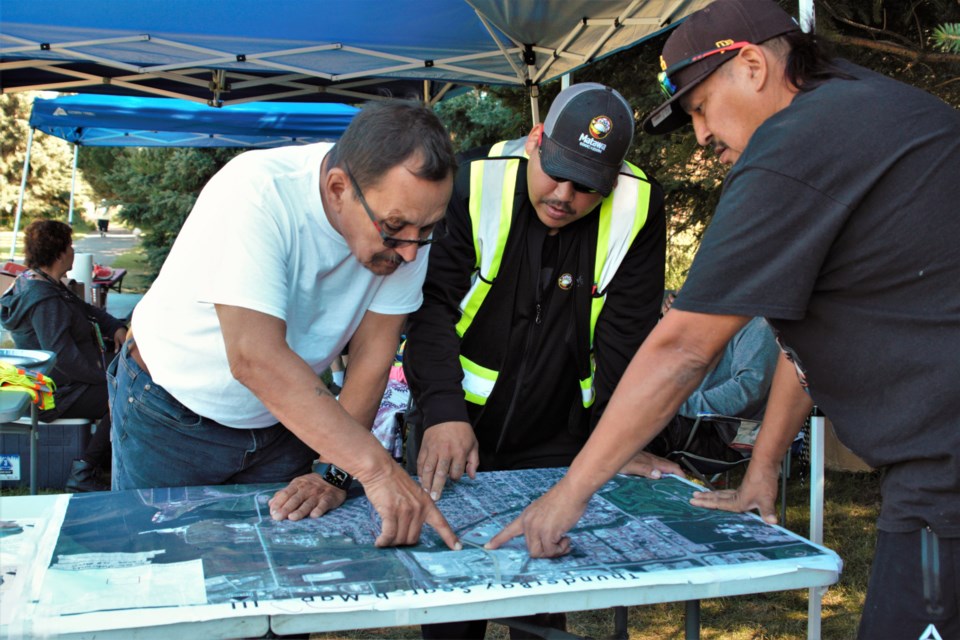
586,135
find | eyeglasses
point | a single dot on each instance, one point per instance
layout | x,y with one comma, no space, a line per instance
579,188
389,241
668,88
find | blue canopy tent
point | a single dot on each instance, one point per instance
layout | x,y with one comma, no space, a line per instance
125,121
229,52
95,120
223,52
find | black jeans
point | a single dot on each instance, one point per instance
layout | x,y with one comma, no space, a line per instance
910,590
88,401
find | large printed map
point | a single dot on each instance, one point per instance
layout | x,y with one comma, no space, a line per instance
633,526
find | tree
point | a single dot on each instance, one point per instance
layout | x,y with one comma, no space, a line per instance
156,187
48,188
896,37
900,38
479,117
947,37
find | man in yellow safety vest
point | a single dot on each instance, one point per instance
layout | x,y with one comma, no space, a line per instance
547,282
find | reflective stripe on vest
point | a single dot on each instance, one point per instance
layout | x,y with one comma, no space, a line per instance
478,381
622,214
490,182
615,233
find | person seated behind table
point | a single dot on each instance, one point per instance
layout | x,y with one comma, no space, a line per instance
42,313
737,386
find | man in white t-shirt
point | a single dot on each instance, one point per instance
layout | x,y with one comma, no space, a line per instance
287,255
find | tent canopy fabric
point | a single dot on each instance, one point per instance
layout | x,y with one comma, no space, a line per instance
230,51
128,121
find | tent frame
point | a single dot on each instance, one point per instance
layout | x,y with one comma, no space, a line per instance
210,75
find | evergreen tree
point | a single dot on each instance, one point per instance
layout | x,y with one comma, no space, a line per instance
156,188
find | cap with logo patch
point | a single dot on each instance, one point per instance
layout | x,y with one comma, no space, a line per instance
703,42
586,136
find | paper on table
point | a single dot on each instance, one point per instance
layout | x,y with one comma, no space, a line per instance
141,586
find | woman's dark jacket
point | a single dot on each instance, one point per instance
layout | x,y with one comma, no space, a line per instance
43,314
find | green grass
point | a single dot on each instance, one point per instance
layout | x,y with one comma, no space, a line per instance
137,279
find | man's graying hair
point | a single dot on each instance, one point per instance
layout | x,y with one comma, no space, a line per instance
385,134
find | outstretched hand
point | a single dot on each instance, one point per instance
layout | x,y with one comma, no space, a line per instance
648,465
403,507
757,491
544,524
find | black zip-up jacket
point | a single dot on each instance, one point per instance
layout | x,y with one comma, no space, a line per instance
530,329
46,315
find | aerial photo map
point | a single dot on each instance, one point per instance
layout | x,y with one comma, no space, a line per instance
226,548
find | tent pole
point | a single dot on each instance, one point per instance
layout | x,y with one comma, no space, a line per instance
73,183
807,16
534,104
23,188
817,421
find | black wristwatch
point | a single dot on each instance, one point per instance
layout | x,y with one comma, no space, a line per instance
333,474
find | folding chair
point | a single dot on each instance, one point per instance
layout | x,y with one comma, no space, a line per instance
731,446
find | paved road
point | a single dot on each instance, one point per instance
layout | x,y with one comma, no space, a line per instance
106,249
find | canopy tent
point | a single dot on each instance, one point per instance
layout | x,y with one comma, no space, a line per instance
92,120
126,121
223,52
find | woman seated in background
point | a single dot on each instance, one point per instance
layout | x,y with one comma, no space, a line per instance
42,313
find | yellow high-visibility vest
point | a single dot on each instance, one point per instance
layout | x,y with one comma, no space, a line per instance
492,187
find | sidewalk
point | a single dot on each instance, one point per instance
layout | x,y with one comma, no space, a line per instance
106,249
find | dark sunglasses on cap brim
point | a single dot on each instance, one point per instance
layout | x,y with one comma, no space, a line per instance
668,88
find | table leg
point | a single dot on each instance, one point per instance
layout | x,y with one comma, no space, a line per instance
692,620
34,437
620,631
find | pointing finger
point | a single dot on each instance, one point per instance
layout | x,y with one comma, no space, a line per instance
436,520
507,534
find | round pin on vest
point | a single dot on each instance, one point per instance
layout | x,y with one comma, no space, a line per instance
565,281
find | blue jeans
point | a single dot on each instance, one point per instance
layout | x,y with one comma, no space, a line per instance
158,442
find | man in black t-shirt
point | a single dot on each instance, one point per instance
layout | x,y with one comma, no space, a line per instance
838,222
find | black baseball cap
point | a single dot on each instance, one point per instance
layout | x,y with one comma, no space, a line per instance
586,136
703,42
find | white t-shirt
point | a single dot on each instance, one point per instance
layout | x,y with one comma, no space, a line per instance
258,238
